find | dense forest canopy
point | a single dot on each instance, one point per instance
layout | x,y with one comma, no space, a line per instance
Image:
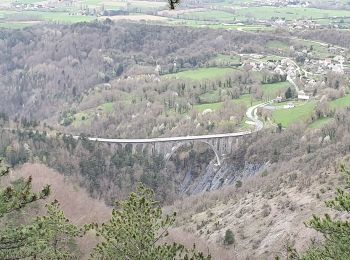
57,64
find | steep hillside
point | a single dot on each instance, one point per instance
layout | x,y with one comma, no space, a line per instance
78,206
266,214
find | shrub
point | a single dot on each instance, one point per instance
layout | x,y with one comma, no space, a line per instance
238,184
229,237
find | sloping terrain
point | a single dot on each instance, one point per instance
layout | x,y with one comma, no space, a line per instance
78,206
266,214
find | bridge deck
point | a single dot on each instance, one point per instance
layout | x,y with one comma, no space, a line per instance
167,139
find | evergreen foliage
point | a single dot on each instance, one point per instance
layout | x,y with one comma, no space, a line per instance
289,93
229,237
173,3
136,229
18,196
46,237
336,232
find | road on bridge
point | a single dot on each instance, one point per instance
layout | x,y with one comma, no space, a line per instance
251,114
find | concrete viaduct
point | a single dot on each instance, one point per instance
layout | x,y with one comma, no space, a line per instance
221,144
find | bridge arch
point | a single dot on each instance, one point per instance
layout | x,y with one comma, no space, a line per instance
178,145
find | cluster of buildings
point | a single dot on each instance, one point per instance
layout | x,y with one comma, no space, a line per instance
27,7
283,67
322,66
279,3
41,5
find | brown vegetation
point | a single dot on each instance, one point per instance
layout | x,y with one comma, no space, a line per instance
78,206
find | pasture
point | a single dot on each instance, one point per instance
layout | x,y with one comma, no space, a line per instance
341,102
209,15
289,13
319,123
86,116
297,114
246,100
272,90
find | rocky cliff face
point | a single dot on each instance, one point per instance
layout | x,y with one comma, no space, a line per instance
214,177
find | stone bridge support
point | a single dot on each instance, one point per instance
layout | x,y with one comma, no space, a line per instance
220,146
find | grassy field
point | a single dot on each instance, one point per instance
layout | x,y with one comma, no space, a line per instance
60,17
320,122
107,107
295,103
216,19
210,97
341,102
300,113
209,16
16,25
85,117
29,1
244,99
203,73
228,60
272,90
319,51
218,24
278,45
289,13
213,106
11,19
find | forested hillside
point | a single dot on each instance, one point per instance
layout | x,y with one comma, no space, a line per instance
276,84
96,77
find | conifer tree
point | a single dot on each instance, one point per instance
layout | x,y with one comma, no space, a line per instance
289,93
173,3
46,237
135,232
18,196
336,232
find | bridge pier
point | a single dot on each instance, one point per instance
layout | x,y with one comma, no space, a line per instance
221,144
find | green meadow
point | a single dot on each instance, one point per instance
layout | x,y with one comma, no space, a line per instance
319,123
341,102
297,114
244,100
272,90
